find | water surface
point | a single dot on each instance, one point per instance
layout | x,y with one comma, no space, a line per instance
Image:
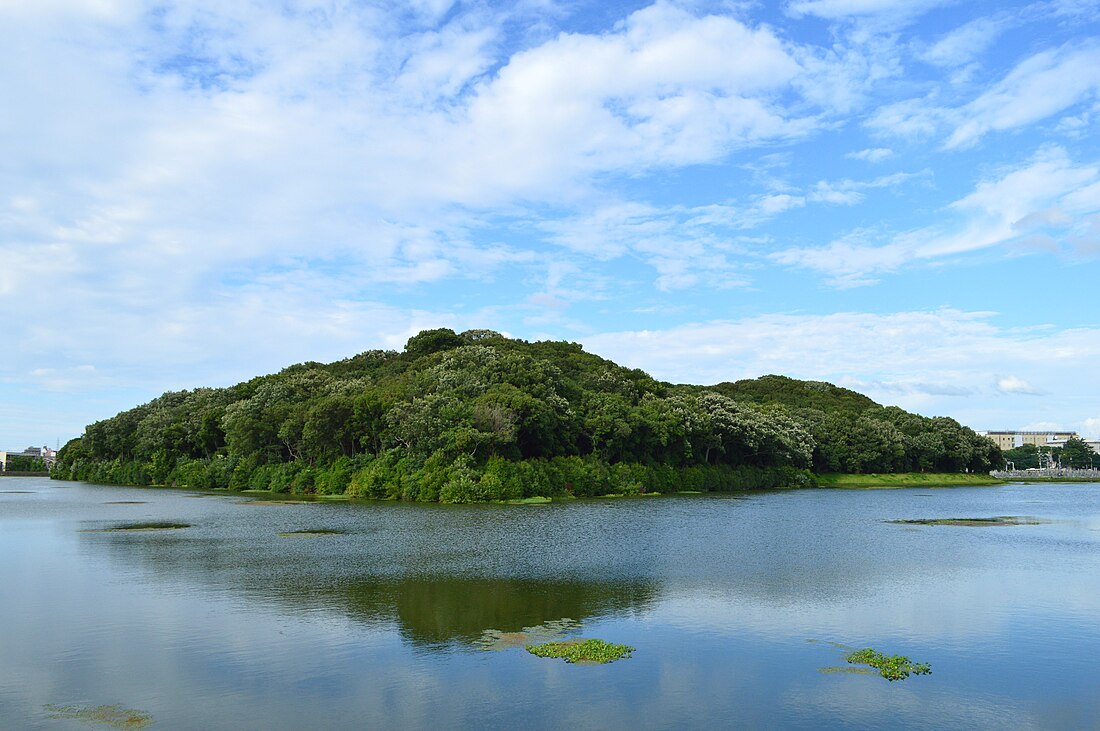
735,605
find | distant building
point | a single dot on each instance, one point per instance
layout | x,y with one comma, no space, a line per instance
49,456
1094,444
1011,439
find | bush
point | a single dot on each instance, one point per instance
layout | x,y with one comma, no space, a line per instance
462,484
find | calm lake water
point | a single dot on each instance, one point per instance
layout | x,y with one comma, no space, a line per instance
737,606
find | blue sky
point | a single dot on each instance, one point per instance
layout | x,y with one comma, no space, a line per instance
898,196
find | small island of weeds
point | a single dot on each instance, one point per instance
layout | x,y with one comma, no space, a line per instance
583,651
999,520
115,716
312,532
891,667
141,527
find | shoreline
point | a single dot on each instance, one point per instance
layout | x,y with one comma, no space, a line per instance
906,479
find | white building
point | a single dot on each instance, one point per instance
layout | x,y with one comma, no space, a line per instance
44,453
1011,439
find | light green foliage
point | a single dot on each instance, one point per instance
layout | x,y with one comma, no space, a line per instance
594,651
891,667
905,479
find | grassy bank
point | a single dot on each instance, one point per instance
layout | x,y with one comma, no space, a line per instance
906,479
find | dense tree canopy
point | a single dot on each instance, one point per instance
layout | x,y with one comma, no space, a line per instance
476,415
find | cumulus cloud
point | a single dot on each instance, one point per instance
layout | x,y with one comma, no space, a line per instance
1013,384
305,182
887,356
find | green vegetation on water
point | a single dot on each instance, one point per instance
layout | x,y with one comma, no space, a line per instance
573,651
312,532
1000,520
115,716
906,479
475,416
891,667
134,527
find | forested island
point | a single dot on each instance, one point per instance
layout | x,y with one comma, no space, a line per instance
475,416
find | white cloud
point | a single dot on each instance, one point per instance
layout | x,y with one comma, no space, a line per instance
968,41
917,118
837,9
933,361
1042,85
1049,193
872,154
663,89
1012,384
775,203
683,246
305,182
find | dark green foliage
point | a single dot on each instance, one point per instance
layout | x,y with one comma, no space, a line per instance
796,394
432,341
891,667
1078,454
1024,457
477,416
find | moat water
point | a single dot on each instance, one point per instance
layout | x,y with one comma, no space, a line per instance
741,609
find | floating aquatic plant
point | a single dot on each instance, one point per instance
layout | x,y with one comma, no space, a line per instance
999,520
140,527
313,532
584,651
891,667
116,716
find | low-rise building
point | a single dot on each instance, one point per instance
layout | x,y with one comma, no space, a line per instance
1007,440
47,455
1011,439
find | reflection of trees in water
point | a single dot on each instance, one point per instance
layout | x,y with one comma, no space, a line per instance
437,611
429,611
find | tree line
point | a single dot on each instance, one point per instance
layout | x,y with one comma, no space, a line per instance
1075,453
460,417
25,463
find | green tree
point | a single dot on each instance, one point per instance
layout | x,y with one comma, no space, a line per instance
1078,454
